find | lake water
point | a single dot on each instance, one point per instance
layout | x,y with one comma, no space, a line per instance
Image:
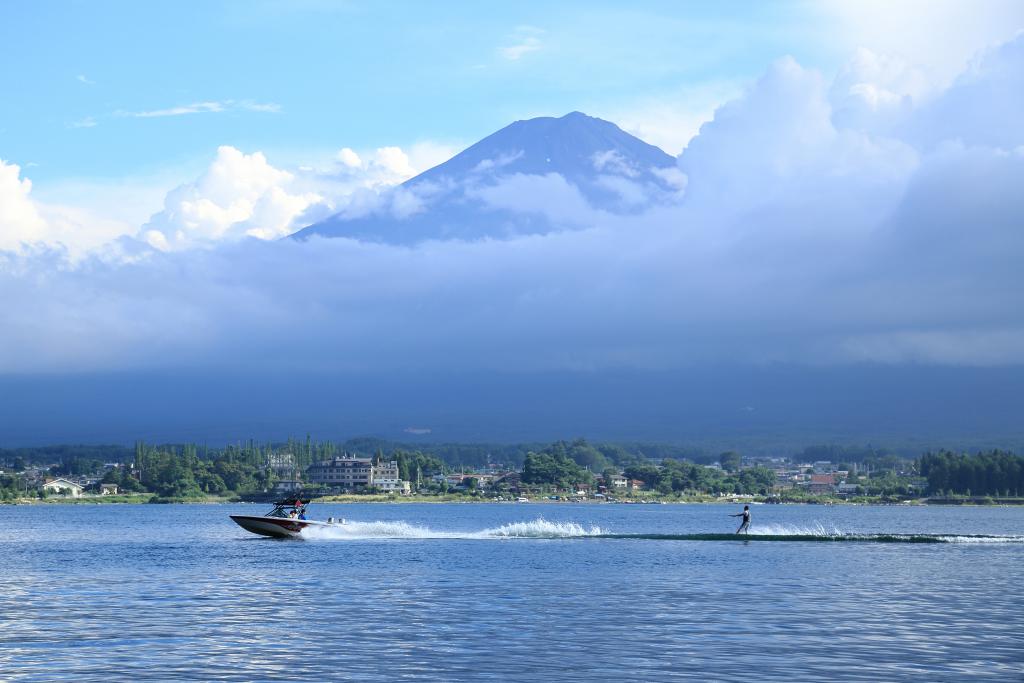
510,592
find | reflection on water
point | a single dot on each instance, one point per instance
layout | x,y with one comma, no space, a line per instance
180,592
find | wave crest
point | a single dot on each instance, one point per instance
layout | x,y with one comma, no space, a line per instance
817,529
541,528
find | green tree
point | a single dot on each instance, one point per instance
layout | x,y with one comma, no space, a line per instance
730,461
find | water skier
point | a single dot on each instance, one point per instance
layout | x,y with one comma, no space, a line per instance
745,525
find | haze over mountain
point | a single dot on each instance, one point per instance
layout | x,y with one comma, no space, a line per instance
531,177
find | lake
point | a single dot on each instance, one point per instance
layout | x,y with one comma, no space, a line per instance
510,592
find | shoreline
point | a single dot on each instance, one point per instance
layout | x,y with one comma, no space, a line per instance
345,499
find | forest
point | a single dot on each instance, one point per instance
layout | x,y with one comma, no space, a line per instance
565,464
992,473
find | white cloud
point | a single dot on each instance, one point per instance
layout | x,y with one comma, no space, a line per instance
524,40
243,195
549,195
349,158
28,224
239,195
612,162
81,78
384,166
516,51
671,119
973,110
207,107
489,165
19,218
394,161
942,34
778,143
630,193
194,108
875,92
87,122
358,183
265,107
674,178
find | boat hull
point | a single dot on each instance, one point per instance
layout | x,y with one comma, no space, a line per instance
276,527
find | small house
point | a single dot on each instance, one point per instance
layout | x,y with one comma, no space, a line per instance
287,486
63,487
822,483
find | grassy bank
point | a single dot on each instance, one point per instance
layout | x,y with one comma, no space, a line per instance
84,500
636,498
134,498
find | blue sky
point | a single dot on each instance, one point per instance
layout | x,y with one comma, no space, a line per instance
296,77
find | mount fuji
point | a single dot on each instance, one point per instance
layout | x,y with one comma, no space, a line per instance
531,177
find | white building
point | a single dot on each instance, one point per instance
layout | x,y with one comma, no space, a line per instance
63,487
350,473
282,465
385,477
344,472
618,483
287,486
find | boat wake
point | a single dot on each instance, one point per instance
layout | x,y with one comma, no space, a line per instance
817,529
538,528
543,529
827,538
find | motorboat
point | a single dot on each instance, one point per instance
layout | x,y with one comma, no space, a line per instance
286,520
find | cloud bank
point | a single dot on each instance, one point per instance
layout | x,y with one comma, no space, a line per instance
238,196
840,221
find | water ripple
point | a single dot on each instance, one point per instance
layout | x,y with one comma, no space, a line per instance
178,593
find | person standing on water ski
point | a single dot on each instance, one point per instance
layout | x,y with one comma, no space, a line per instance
745,526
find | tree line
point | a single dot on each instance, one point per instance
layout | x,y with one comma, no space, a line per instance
191,470
567,464
992,473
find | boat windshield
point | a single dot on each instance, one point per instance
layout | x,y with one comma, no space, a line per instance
288,508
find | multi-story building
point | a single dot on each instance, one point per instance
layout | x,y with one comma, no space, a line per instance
282,465
350,473
343,472
385,477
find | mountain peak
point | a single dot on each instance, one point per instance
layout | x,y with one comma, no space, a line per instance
571,117
585,160
572,146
